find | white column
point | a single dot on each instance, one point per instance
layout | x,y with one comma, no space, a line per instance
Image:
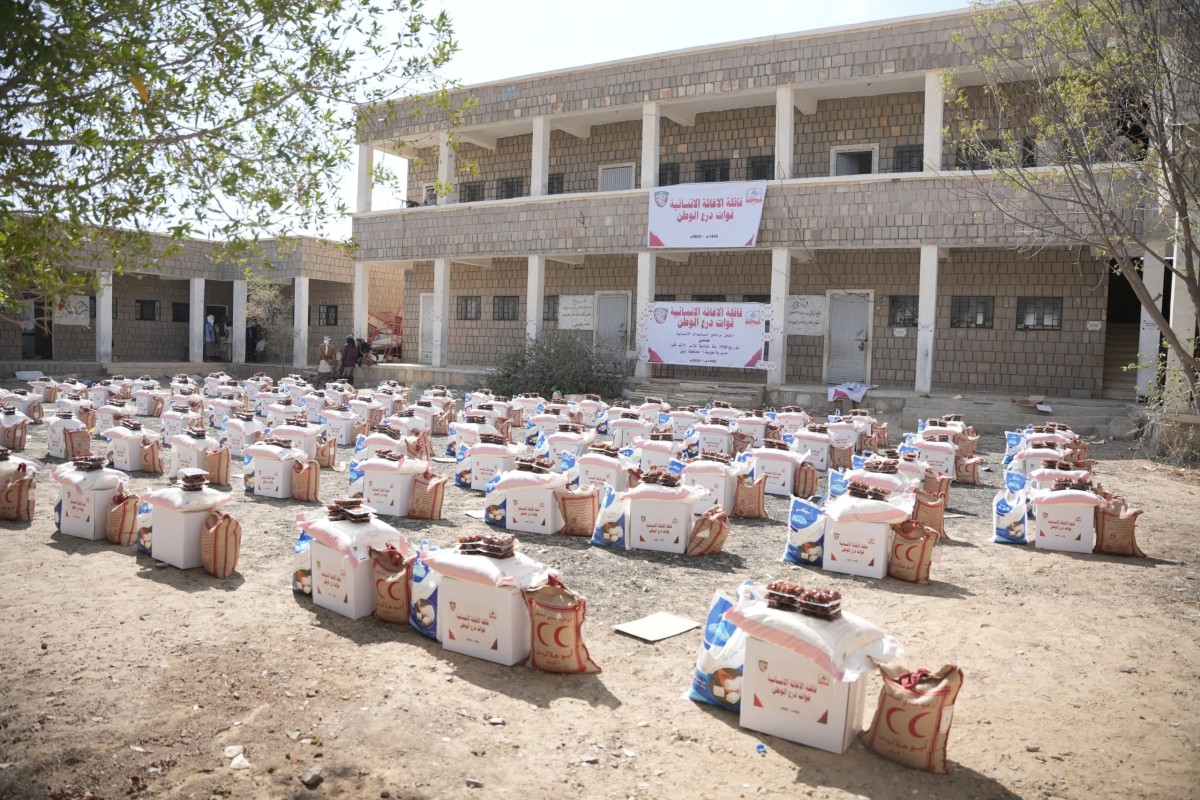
1183,323
238,334
781,284
361,307
196,319
935,100
650,145
300,322
926,316
535,294
104,320
446,169
441,312
647,268
1148,336
366,161
540,183
785,130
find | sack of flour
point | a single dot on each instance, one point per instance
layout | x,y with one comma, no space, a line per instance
302,564
750,497
557,618
126,516
220,544
717,676
327,453
306,481
807,481
392,566
806,533
151,456
423,594
930,511
611,522
18,498
579,507
78,444
1116,526
1009,512
709,532
966,470
217,463
429,492
419,446
912,720
912,551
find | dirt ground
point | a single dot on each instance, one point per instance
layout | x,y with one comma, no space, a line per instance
124,678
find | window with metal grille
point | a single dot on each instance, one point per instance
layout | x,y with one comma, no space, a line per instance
92,308
760,168
146,310
971,312
550,308
756,298
708,298
181,312
903,311
554,184
1039,313
668,174
509,187
908,158
506,308
468,307
471,192
327,315
712,171
664,298
990,152
616,178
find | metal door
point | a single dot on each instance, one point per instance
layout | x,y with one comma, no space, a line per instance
427,326
849,337
611,332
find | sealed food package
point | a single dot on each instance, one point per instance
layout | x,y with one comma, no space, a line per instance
557,619
913,718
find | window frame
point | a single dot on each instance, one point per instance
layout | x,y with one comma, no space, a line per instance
710,163
137,310
550,309
842,149
910,150
463,308
759,161
322,316
556,178
475,187
510,181
905,320
671,179
1043,305
501,310
961,306
630,165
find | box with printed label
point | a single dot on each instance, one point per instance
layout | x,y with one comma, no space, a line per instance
533,511
176,539
1068,527
488,622
857,548
661,525
340,586
487,461
387,491
85,513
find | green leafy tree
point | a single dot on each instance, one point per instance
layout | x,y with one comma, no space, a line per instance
1088,113
229,119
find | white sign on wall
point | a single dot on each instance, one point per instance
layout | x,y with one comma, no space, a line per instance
575,312
705,334
725,214
73,310
806,315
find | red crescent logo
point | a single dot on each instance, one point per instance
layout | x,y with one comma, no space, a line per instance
908,556
912,724
396,590
888,718
541,625
557,641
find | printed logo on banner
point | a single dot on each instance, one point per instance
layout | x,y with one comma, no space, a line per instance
754,195
660,315
660,198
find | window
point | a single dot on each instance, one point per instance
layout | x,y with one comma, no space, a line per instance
181,312
146,310
986,156
970,312
668,174
760,168
712,171
550,308
903,311
756,298
471,192
468,307
509,187
708,298
664,298
853,160
616,178
908,158
554,184
1039,313
327,315
507,308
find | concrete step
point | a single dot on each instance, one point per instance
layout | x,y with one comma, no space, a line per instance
688,393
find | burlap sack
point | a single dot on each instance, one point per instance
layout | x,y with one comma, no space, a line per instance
575,418
87,416
937,485
504,429
220,543
841,457
157,406
930,511
78,443
773,431
217,463
966,445
912,720
442,420
374,417
393,577
709,532
556,618
579,507
360,429
17,499
151,456
516,417
306,481
966,470
122,524
742,442
14,437
750,498
327,453
880,432
1116,529
419,446
807,481
429,491
912,551
49,394
35,412
867,444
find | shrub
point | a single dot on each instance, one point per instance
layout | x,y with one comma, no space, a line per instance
558,361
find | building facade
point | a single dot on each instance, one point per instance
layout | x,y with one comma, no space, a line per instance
870,204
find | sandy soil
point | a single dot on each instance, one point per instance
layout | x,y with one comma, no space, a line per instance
128,679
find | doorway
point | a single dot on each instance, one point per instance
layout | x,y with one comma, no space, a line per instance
1121,338
612,324
37,332
848,340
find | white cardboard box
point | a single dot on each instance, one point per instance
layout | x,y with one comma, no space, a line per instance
533,511
817,445
660,525
720,489
1069,527
593,471
341,429
787,695
338,585
755,426
487,622
485,467
857,548
85,514
273,478
780,468
388,492
176,539
715,439
127,454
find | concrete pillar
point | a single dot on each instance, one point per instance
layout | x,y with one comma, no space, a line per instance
104,318
195,319
785,131
540,183
535,294
441,312
446,170
361,303
647,268
1183,323
935,101
650,144
1149,335
238,332
781,284
926,316
366,161
300,322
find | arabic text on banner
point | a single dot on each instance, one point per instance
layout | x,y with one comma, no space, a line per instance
705,334
706,214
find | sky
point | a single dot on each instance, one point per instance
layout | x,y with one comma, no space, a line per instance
500,40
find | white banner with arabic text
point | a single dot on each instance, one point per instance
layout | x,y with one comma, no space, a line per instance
706,214
706,334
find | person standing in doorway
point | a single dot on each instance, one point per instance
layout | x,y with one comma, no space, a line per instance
210,338
349,360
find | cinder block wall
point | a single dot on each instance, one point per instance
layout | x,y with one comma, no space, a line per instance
328,293
889,120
